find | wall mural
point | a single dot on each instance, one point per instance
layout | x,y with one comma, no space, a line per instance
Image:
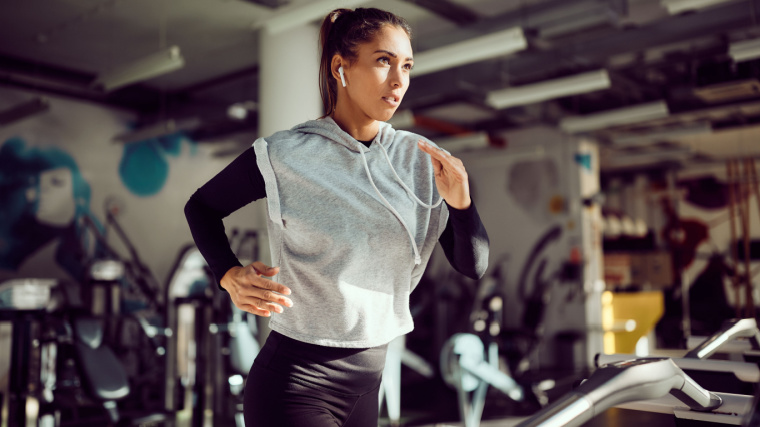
43,196
144,166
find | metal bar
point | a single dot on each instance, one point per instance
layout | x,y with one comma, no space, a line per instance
732,216
749,302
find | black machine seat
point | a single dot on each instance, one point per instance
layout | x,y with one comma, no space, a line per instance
89,331
102,371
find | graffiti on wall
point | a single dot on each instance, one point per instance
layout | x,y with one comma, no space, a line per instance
144,166
43,197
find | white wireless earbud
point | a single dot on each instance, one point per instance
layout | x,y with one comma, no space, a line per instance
342,79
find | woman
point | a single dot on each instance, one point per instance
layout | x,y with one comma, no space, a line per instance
354,210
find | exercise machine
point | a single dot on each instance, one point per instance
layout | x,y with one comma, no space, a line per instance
623,382
62,372
468,368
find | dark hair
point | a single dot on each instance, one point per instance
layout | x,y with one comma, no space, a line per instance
343,30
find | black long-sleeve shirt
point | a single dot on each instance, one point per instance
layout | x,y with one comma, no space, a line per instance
241,182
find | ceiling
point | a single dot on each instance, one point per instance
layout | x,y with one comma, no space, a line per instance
650,55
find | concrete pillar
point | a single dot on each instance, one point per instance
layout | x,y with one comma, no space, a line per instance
288,95
288,78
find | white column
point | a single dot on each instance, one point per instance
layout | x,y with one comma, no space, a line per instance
288,78
288,95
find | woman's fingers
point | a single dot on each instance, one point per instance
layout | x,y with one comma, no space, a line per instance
442,159
255,294
261,269
266,295
254,310
450,175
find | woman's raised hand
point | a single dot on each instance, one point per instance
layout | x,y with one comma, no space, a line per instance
450,176
252,293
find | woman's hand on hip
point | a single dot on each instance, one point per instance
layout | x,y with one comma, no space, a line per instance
450,176
252,293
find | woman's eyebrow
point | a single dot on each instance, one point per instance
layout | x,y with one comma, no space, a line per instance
392,54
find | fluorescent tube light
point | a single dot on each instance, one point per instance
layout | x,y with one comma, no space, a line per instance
473,50
240,110
162,128
24,110
667,134
156,64
621,116
464,142
288,17
744,51
677,6
551,89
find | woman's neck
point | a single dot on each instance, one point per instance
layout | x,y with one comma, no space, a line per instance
361,128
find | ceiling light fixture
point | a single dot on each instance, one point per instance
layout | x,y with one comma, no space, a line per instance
677,6
240,110
156,64
621,116
24,110
550,89
745,50
466,52
665,134
465,142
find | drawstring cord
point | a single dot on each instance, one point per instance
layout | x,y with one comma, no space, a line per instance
417,258
411,194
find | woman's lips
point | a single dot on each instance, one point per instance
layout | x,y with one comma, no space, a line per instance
390,100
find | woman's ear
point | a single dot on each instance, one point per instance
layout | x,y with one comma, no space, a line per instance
338,69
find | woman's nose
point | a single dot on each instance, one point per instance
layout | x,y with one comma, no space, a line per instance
397,79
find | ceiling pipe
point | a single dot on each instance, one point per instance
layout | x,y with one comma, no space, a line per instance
406,119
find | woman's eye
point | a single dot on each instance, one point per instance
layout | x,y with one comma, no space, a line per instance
385,60
408,66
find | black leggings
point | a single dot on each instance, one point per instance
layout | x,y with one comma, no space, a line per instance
295,384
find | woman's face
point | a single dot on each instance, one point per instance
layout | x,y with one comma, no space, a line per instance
378,78
55,197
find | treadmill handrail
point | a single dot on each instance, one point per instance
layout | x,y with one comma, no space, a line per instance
731,329
620,382
743,371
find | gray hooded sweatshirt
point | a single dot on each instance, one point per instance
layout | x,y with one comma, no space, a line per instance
351,228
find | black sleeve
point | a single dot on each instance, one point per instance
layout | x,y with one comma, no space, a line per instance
465,242
235,186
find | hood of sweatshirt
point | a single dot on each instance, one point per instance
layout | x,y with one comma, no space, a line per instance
327,128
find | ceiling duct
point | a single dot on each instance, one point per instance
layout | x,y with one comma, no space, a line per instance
672,133
722,92
621,116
